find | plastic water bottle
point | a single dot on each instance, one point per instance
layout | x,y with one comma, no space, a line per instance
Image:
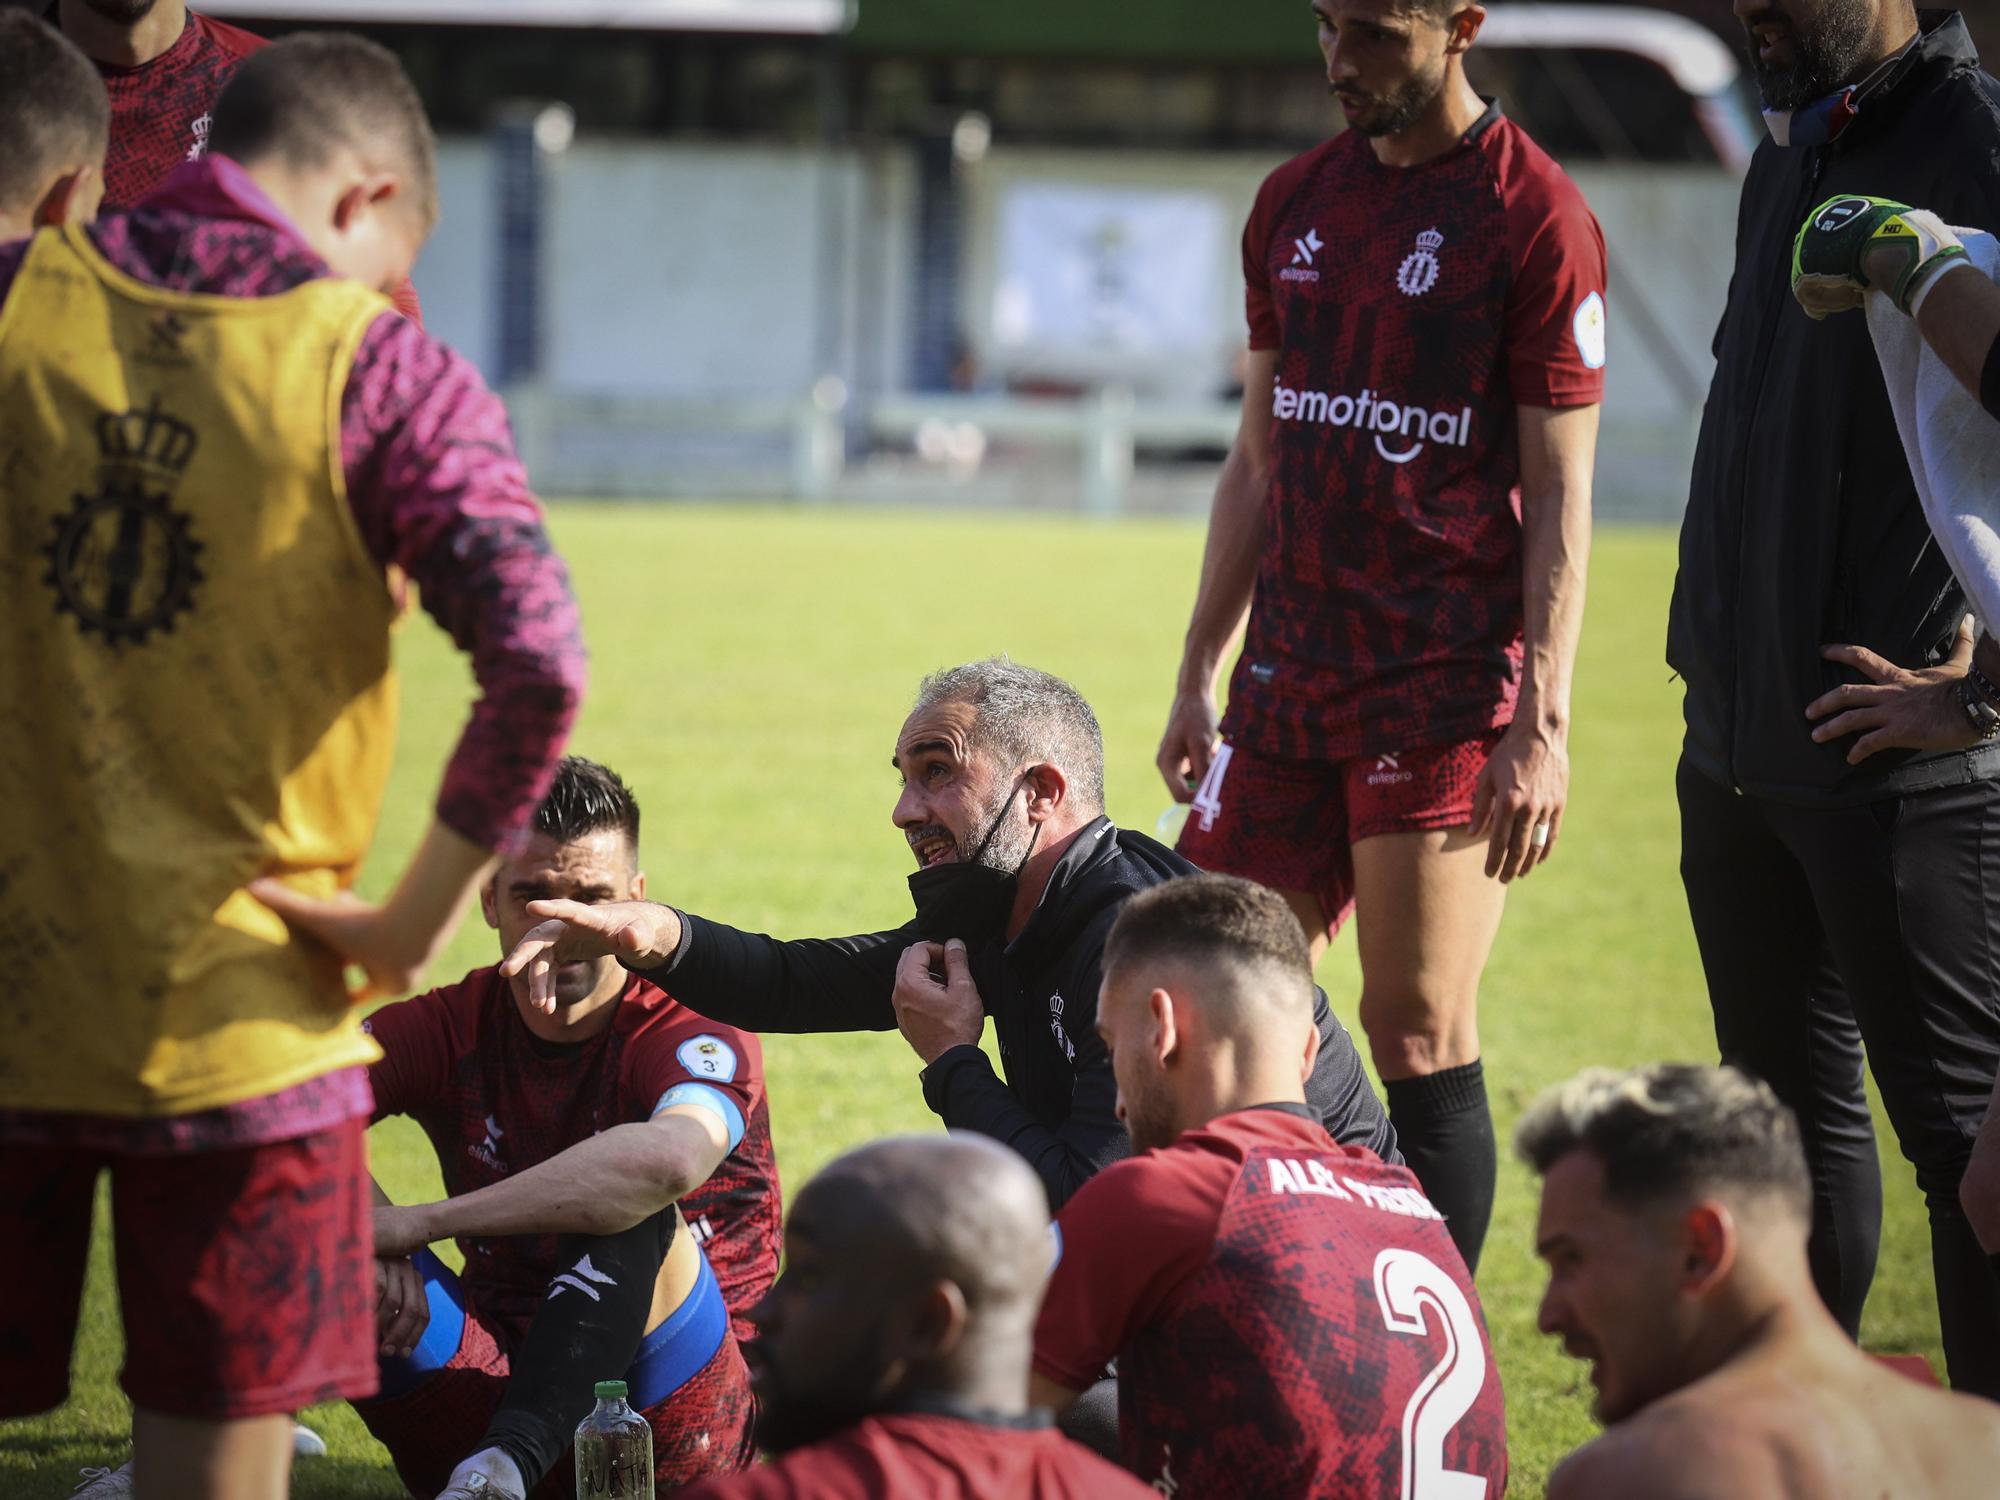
614,1449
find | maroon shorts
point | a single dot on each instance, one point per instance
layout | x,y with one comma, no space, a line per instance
706,1426
1293,825
246,1275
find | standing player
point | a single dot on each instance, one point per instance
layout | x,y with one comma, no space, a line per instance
1409,497
220,440
163,67
566,1140
891,1359
1675,1208
1289,1316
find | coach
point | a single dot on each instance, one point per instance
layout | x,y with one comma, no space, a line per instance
1840,897
1019,877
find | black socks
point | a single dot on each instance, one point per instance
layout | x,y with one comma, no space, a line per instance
587,1331
1445,1128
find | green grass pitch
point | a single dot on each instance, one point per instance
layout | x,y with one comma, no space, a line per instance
749,669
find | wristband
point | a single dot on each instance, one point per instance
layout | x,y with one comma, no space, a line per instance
1988,689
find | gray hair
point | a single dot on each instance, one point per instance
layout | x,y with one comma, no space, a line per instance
1672,1130
1025,715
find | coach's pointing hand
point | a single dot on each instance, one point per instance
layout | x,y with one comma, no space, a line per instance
936,1015
640,934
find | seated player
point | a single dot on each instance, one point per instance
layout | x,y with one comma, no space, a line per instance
1289,1316
1675,1206
53,130
567,1140
891,1359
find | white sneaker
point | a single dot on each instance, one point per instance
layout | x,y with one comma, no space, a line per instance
109,1484
104,1484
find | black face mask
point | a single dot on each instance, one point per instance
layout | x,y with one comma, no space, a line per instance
965,899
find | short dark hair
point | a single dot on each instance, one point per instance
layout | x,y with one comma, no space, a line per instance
53,110
1207,917
304,96
586,798
1672,1130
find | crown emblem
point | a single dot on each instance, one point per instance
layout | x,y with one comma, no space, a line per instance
148,439
1430,240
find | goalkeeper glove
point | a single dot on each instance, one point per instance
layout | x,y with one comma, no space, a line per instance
1851,245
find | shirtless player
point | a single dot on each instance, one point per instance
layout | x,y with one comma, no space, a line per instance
1675,1206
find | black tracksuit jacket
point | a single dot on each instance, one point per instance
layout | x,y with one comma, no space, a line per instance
1803,527
1057,1105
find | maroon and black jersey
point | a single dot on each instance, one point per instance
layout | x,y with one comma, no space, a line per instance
1289,1317
160,114
160,109
932,1456
1412,310
496,1099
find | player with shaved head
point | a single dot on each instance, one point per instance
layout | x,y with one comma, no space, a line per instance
54,122
1675,1209
891,1361
1289,1316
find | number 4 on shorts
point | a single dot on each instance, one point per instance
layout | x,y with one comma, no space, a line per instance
1208,796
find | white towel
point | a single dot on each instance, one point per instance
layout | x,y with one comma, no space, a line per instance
1951,441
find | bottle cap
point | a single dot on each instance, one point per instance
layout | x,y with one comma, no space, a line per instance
610,1388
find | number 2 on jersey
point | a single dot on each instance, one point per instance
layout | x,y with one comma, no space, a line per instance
1405,1284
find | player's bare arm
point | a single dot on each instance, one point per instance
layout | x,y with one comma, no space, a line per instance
642,935
392,943
402,1308
1521,796
604,1185
1228,570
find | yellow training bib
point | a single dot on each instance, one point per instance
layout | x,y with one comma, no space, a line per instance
195,684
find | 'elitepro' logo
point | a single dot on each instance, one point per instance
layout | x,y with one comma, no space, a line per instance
1387,419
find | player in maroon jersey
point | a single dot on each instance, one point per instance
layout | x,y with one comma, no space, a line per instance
891,1361
1675,1207
163,66
1289,1316
1404,518
566,1141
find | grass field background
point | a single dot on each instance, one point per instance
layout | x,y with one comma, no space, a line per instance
749,669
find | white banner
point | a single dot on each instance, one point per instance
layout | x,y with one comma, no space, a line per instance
1090,269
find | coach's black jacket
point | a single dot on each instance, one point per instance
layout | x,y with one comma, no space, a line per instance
1057,1105
1803,527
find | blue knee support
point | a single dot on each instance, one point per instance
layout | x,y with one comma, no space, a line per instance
672,1354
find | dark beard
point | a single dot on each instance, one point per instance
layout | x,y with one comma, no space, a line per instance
1825,54
1396,111
122,12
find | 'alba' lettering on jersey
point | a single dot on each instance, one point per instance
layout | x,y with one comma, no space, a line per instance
1373,413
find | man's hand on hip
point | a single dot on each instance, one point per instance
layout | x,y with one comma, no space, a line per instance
640,934
1852,245
1519,800
1896,709
936,1015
